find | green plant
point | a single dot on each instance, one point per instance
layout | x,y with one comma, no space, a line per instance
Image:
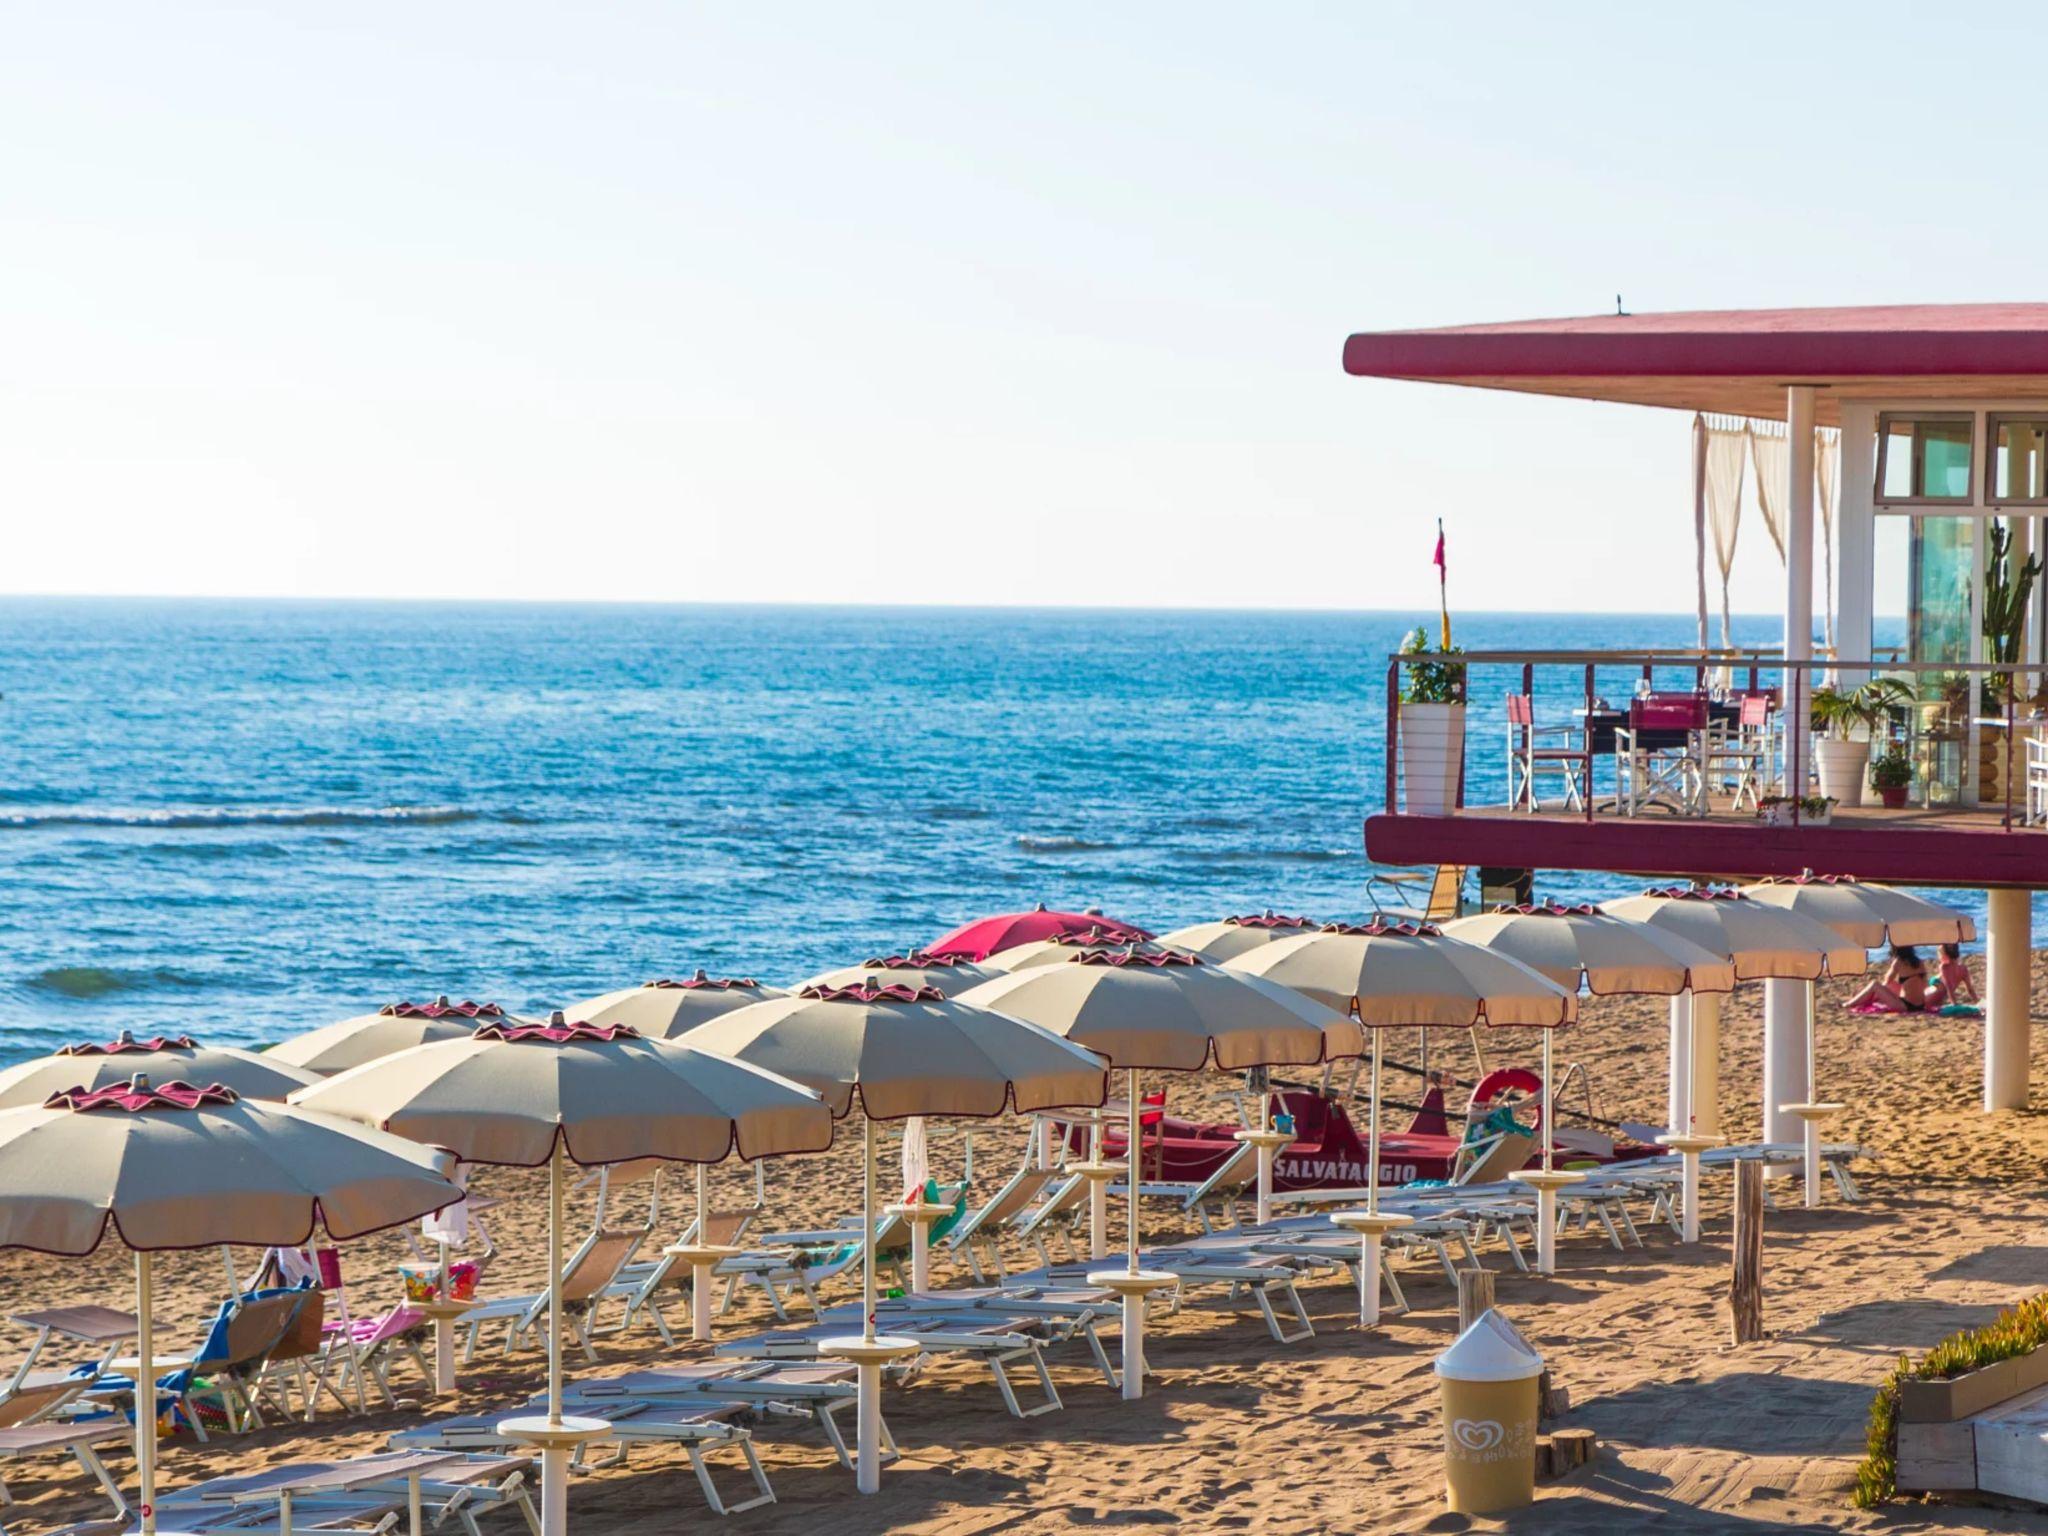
2005,594
1436,681
2017,1331
1868,705
1809,805
1892,770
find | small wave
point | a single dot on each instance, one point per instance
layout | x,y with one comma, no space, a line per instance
90,981
243,816
1062,845
1310,855
955,813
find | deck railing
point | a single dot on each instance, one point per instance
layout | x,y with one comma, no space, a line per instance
1736,671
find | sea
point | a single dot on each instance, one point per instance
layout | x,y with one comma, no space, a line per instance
238,820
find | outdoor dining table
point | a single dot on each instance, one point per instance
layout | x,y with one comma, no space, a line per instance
1602,727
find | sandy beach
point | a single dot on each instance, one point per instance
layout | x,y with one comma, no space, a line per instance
1339,1433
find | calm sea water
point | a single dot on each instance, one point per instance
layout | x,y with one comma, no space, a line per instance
239,820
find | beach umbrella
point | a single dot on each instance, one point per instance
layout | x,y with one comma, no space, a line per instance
1764,942
1228,937
662,1010
903,1052
1399,974
1869,915
159,1058
523,1093
1058,948
986,936
1166,1011
177,1166
948,975
1581,946
394,1027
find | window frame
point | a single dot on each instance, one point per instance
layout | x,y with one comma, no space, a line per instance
1885,419
1992,421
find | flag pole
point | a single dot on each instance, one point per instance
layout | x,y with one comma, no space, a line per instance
1443,584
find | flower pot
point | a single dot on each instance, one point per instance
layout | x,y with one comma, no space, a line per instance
1432,757
1843,765
1893,796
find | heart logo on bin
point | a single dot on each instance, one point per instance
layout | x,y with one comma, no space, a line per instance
1477,1435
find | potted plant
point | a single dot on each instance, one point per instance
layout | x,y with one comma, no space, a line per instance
1814,810
1892,776
1432,727
1842,756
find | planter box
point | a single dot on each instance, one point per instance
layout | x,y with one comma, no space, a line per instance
1962,1397
1781,816
1432,758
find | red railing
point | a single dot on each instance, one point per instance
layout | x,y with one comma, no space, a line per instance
1794,681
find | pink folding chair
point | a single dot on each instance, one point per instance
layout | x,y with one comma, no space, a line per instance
1527,757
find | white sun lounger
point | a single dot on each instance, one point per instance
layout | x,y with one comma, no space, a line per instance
815,1393
593,1266
698,1428
429,1487
78,1439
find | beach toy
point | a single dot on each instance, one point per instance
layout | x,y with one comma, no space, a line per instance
1489,1380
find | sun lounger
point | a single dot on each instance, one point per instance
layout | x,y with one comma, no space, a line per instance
815,1393
1064,1313
79,1440
1264,1278
1053,1218
999,1340
1216,1196
644,1284
804,1261
593,1266
428,1487
975,1239
699,1428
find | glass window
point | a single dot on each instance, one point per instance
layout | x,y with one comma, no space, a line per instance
1923,458
2019,459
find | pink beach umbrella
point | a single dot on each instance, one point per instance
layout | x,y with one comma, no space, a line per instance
988,935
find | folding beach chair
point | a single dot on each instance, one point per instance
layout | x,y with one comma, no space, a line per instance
644,1284
975,1237
226,1365
816,1394
1214,1199
594,1265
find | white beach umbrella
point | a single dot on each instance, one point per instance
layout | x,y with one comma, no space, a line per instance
903,1052
1396,974
159,1058
1170,1011
1581,946
1059,948
1228,937
664,1009
394,1027
1869,915
177,1166
522,1093
1765,942
949,975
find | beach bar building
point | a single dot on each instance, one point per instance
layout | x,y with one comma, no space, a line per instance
1917,438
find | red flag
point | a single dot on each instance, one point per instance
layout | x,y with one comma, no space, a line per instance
1438,559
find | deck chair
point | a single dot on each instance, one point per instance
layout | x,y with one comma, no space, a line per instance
376,1343
698,1428
1214,1200
593,1266
1053,1219
804,1261
23,1441
226,1364
644,1284
1418,895
299,1360
816,1394
974,1239
323,1495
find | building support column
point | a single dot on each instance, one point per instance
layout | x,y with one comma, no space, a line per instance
2007,1022
1787,1005
1798,574
1706,1064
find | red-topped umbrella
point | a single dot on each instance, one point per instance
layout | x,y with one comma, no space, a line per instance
987,935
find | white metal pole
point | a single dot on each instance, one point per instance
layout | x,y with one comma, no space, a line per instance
1372,1136
1134,1301
1689,1178
1136,1160
867,1216
1799,402
868,1387
1098,1195
1265,1155
145,1391
1679,1090
700,1277
1546,1197
1788,1005
2008,919
554,1457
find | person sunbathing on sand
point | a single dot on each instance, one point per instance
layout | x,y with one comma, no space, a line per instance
1953,985
1904,988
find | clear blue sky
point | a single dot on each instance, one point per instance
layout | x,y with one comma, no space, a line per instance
939,303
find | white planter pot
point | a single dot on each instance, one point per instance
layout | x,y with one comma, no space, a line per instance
1844,768
1432,755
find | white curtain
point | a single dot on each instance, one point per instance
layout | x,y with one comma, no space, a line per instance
1725,457
1827,458
1770,453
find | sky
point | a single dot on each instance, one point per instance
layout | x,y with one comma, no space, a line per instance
929,303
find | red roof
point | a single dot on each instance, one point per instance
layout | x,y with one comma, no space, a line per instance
1733,360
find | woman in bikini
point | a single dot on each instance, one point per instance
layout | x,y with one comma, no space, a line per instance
1904,988
1954,984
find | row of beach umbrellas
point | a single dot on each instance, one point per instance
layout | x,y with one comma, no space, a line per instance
1015,1014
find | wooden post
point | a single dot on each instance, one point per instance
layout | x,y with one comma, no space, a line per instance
1746,1278
1475,1295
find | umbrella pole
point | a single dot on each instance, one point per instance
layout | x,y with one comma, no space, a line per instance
867,1217
555,1285
1133,1159
1546,1197
145,1392
1372,1136
1134,1300
700,1277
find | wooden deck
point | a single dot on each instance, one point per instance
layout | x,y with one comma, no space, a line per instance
1956,846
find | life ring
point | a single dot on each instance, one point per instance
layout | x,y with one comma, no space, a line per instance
1502,1080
